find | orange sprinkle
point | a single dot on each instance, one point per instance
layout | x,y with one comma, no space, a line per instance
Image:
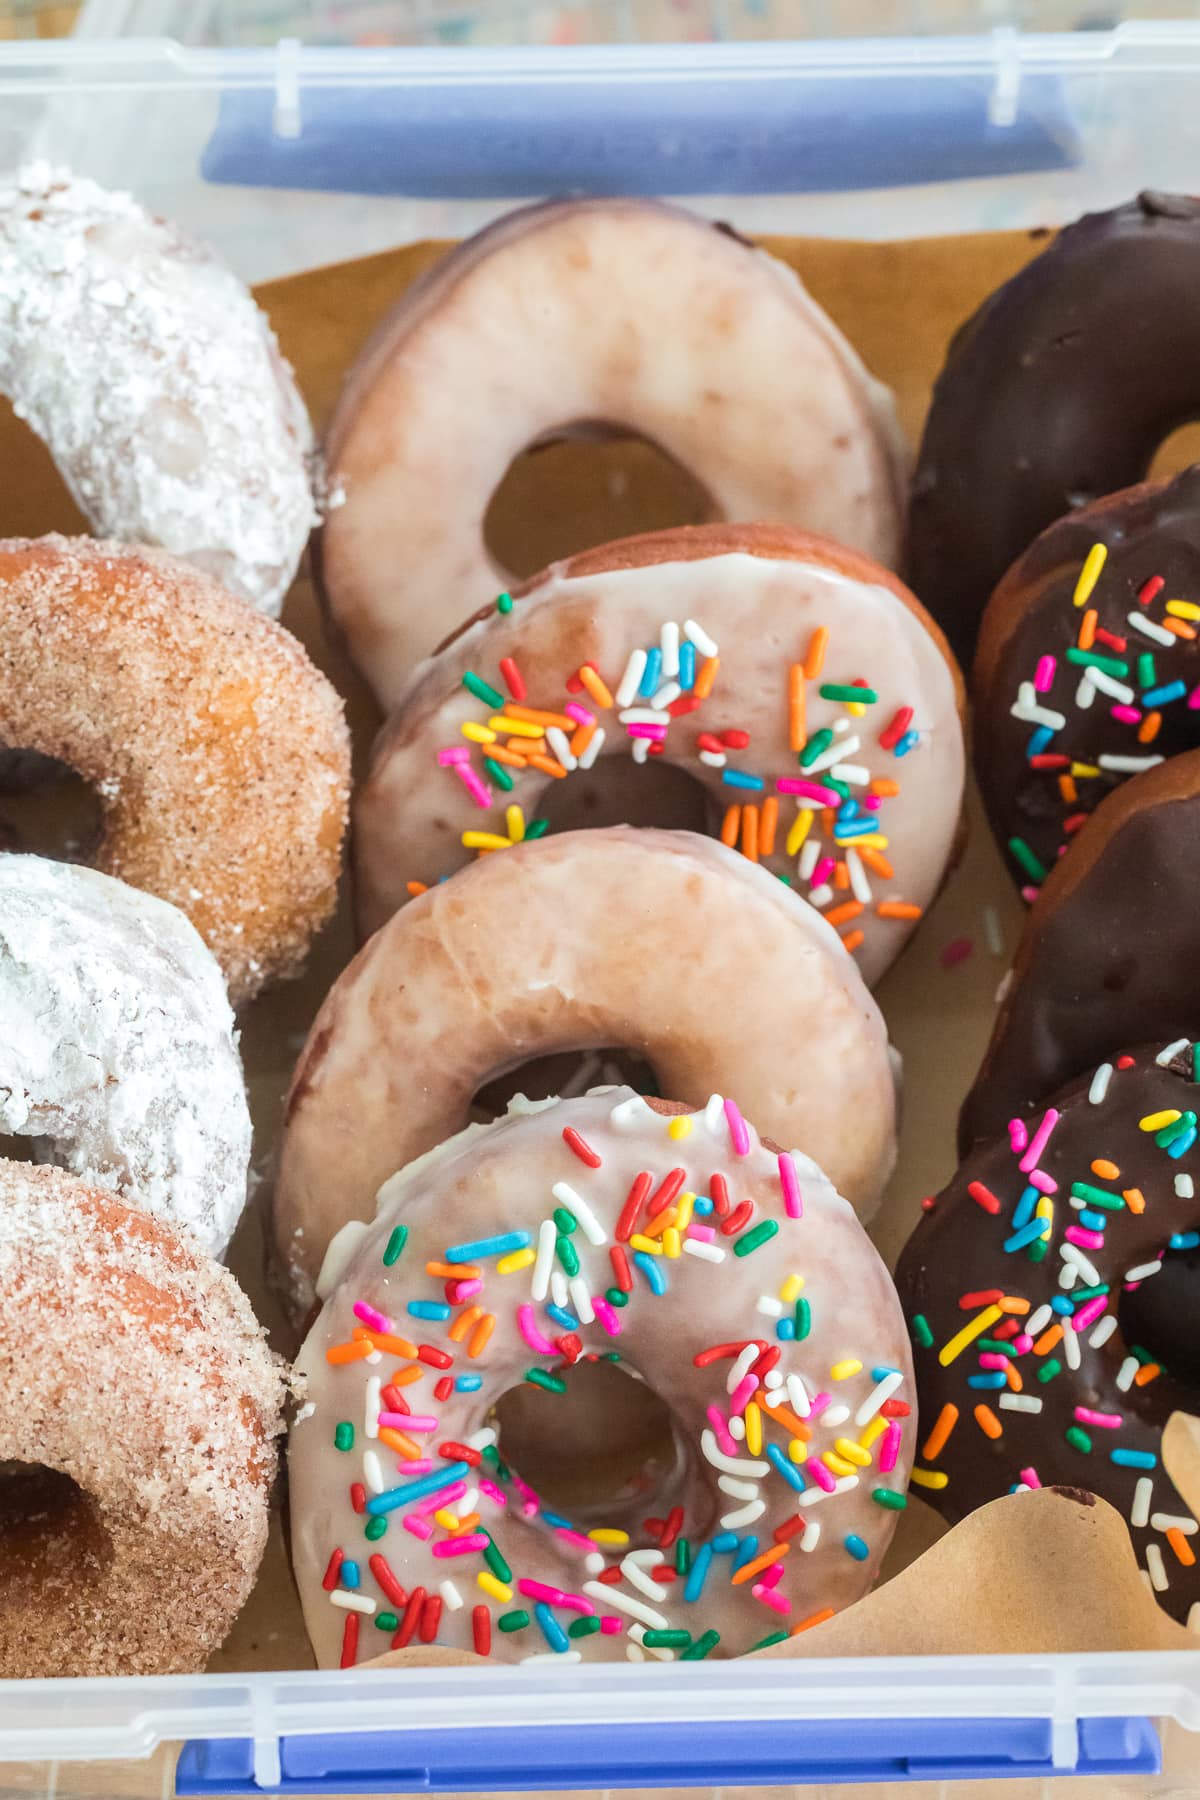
797,708
853,939
661,1222
1146,1374
594,685
843,913
841,877
897,909
481,1334
936,1442
547,765
463,1323
512,758
987,1422
768,826
1177,628
581,738
1068,789
1148,729
527,747
706,677
337,1354
817,1618
750,832
876,862
384,1340
531,716
1178,1543
401,1443
406,1377
415,888
765,1559
1107,1171
1087,630
454,1271
464,1525
1047,1340
883,787
783,1415
814,656
827,820
1013,1303
1013,1377
1134,1199
730,826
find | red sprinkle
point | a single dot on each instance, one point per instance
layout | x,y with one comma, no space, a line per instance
983,1196
350,1640
895,1409
455,1452
979,1297
443,1387
901,719
719,1194
789,1529
654,1527
1074,823
718,1352
734,740
358,1496
574,685
665,1192
766,1361
929,1202
570,1346
662,1572
672,1528
1111,639
686,703
1005,1329
481,1630
382,1570
431,1618
610,1577
394,1401
330,1578
736,1219
714,746
411,1619
1150,588
1048,761
580,1147
1125,1062
956,951
633,1205
436,1359
622,1273
513,679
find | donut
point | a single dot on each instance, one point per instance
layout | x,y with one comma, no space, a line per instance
139,1406
1016,1284
622,313
665,943
699,1258
1088,667
155,382
118,1059
217,752
1106,957
756,642
1057,391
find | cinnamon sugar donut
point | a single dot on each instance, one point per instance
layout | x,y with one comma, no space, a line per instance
218,753
117,1053
666,943
155,381
614,312
138,1389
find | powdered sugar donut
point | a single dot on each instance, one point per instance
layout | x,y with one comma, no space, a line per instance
155,381
117,1054
614,312
697,1257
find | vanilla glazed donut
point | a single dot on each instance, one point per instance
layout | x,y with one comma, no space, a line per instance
217,752
620,312
799,683
138,1388
665,943
155,381
117,1051
703,1260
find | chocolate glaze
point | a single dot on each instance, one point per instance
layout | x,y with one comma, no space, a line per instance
1148,531
1059,389
1107,957
958,1249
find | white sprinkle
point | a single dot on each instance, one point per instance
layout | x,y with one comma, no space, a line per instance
351,1602
732,1465
1073,1254
371,1406
1038,1321
568,1196
715,759
1173,1522
1070,1341
624,1603
812,1496
836,753
1169,1052
553,1656
1139,1513
1100,1081
841,725
1126,1373
667,695
484,1438
1117,690
769,1307
1128,764
1026,708
712,1253
627,1115
798,1395
810,1537
1068,1275
875,1399
809,857
1085,693
737,1428
373,1472
1143,1271
835,1415
544,1261
451,1597
700,638
745,1515
556,737
845,1484
860,887
581,1300
640,749
594,746
1026,1403
1156,1569
737,1490
1103,1331
854,773
1185,1187
638,1578
772,1379
595,1563
466,1503
741,1367
559,1292
668,639
820,896
631,680
1151,630
992,931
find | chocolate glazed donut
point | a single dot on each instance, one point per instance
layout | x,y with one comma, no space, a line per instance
1057,390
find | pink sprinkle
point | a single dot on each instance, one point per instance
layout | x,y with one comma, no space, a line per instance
1023,1343
1043,679
821,1475
1040,1139
495,1494
575,1539
420,1528
773,1576
607,1315
704,1233
739,1136
458,1291
777,1602
1193,699
443,1497
408,1421
580,714
1108,1421
656,732
420,1465
1029,1477
457,753
478,790
818,1405
716,1419
991,1359
1029,893
1128,715
1090,1240
375,1321
872,802
822,871
538,1590
531,1334
610,1624
889,1450
532,1503
789,1181
810,790
956,951
1018,1136
1087,1315
1045,1184
463,1546
743,1394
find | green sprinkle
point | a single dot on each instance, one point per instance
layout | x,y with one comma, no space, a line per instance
490,1453
1196,1061
683,1556
395,1246
921,1331
375,1527
772,1637
862,696
1037,1250
482,690
610,1356
343,1436
1092,659
496,1562
890,1498
566,1221
583,1627
1177,1127
385,1621
699,1650
551,1383
1083,1190
667,1640
504,604
1049,1370
1146,676
568,1256
538,829
1021,853
514,1621
616,1296
995,1345
1078,1440
753,1240
803,1319
1141,1354
787,882
1089,1293
841,788
818,742
499,774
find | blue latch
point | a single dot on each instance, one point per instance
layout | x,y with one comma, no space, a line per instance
660,1753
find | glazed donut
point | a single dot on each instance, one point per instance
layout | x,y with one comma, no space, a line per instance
155,382
778,719
117,1050
139,1390
1087,666
1056,392
666,943
624,313
218,753
1015,1285
727,1274
1107,955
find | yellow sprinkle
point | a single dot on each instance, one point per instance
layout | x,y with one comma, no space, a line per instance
516,727
1044,1208
684,1210
514,823
852,1452
1084,771
1156,1121
875,1429
929,1478
516,1259
446,1519
1089,575
680,1126
976,1328
608,1534
875,840
797,1449
1183,609
497,1589
753,1429
485,840
671,1244
639,1241
478,734
801,826
842,1371
791,1289
837,1464
854,707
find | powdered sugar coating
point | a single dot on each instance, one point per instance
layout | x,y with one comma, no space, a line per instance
155,381
218,753
161,1401
117,1051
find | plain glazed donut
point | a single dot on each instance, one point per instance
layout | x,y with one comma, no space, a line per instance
1016,1284
218,753
1057,391
117,1050
137,1385
155,381
794,628
726,1274
1087,666
666,943
624,313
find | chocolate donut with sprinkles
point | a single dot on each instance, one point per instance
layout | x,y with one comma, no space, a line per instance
1088,668
802,687
697,1257
1021,1284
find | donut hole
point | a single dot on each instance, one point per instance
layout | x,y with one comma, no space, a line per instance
563,1074
1176,452
47,808
618,791
1158,1317
52,1537
582,485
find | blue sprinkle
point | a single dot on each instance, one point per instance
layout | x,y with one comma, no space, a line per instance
417,1490
1163,696
1182,1143
746,1552
650,1269
790,1474
468,1384
785,1330
1184,1240
1134,1459
1061,1305
351,1574
991,1378
1023,1211
736,779
1036,1228
702,1206
698,1573
859,829
1093,1220
651,674
558,1522
723,1543
562,1317
687,665
1039,741
492,1246
908,742
857,1548
428,1309
552,1631
882,1372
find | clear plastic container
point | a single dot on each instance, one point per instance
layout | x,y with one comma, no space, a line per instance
286,157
